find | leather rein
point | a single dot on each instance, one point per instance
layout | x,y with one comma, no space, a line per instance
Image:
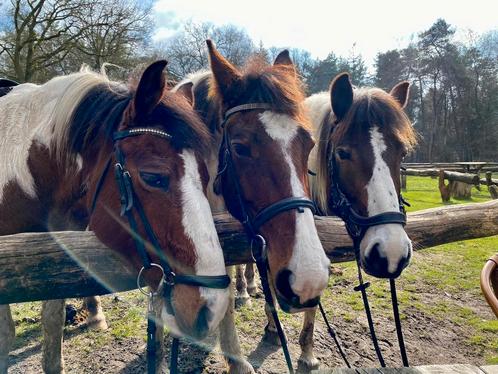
252,224
130,203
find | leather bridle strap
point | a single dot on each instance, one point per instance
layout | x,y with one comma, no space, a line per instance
379,219
245,107
281,206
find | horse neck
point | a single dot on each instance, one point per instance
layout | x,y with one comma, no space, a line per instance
319,109
210,112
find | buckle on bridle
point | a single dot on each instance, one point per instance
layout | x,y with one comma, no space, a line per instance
139,278
169,278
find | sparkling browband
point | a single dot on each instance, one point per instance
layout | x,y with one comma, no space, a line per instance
140,131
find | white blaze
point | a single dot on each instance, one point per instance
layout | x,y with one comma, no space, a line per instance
199,227
309,264
393,242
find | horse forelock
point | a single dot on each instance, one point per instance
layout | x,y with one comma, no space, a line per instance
260,82
374,107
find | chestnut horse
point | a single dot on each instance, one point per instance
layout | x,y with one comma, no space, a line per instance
269,143
59,142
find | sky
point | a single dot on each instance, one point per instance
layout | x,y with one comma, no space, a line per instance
371,26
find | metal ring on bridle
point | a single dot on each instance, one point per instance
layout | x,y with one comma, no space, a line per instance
262,242
139,276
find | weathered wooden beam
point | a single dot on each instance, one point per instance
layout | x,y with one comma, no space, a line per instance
37,266
489,181
449,175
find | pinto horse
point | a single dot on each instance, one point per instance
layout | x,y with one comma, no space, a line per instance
71,147
363,135
256,116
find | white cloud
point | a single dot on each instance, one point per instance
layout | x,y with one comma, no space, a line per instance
324,26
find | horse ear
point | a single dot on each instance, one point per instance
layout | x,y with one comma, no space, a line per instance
224,73
401,93
150,88
186,90
341,95
283,58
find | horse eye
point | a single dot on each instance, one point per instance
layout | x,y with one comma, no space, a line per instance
241,150
343,155
155,180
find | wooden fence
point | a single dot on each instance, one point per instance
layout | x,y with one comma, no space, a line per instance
40,266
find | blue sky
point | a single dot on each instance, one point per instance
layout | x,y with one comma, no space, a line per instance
324,26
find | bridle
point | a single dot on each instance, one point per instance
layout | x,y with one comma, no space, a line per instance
252,224
129,203
357,225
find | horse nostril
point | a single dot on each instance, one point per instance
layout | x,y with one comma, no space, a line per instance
202,323
374,254
283,285
376,264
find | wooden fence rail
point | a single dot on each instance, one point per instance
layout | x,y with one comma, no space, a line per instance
39,266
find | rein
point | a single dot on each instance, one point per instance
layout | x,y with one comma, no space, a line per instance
356,226
130,202
252,225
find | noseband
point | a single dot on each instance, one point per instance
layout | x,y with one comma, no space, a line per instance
129,201
252,224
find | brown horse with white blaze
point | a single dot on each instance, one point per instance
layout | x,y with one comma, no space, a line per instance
63,142
269,144
363,135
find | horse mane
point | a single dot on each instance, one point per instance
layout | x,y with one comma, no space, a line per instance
371,107
207,107
277,85
92,104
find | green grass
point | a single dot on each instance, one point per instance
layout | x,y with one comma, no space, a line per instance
423,193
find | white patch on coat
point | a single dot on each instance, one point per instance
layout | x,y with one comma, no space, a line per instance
193,78
309,264
199,227
38,113
317,105
393,242
24,109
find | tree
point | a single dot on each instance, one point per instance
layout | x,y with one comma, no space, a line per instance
186,51
113,32
323,72
38,35
43,38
